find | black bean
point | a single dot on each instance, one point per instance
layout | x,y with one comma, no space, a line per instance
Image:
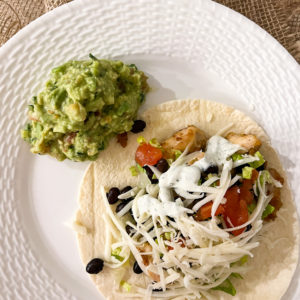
138,126
158,290
95,266
212,169
128,199
261,168
249,226
149,230
137,269
171,219
162,165
121,205
129,230
150,174
112,195
126,189
239,169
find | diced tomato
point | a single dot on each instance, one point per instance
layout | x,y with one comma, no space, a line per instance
205,211
236,212
254,175
147,155
247,184
246,194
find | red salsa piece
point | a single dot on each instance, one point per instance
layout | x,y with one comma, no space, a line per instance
146,154
236,212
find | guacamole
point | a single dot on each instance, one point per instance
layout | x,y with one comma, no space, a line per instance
84,105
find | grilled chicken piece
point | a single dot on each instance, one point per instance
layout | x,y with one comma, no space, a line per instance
190,135
146,247
147,259
248,141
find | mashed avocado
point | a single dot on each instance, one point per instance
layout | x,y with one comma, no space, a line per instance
84,105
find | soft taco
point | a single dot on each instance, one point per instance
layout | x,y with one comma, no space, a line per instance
193,222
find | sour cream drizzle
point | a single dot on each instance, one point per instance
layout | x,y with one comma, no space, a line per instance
152,206
184,178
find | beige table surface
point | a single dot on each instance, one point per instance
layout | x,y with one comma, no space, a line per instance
281,18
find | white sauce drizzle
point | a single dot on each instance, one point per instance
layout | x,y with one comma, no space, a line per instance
185,178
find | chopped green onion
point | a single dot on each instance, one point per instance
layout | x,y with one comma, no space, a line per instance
154,176
167,236
125,285
141,140
268,210
154,143
236,156
257,163
247,172
200,181
227,287
134,171
116,253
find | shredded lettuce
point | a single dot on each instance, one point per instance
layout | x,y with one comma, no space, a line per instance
236,156
265,177
237,275
257,163
116,253
268,210
251,207
243,260
177,153
247,172
227,287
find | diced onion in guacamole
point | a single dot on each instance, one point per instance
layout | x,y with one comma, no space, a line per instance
83,105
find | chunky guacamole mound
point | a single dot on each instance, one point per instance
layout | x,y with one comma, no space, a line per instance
84,105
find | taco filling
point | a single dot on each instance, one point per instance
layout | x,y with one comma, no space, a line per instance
192,221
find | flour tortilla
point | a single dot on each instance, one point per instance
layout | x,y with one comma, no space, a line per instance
274,260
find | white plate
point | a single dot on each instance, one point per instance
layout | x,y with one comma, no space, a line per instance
189,48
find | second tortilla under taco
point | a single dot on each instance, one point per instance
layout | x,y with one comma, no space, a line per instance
196,227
